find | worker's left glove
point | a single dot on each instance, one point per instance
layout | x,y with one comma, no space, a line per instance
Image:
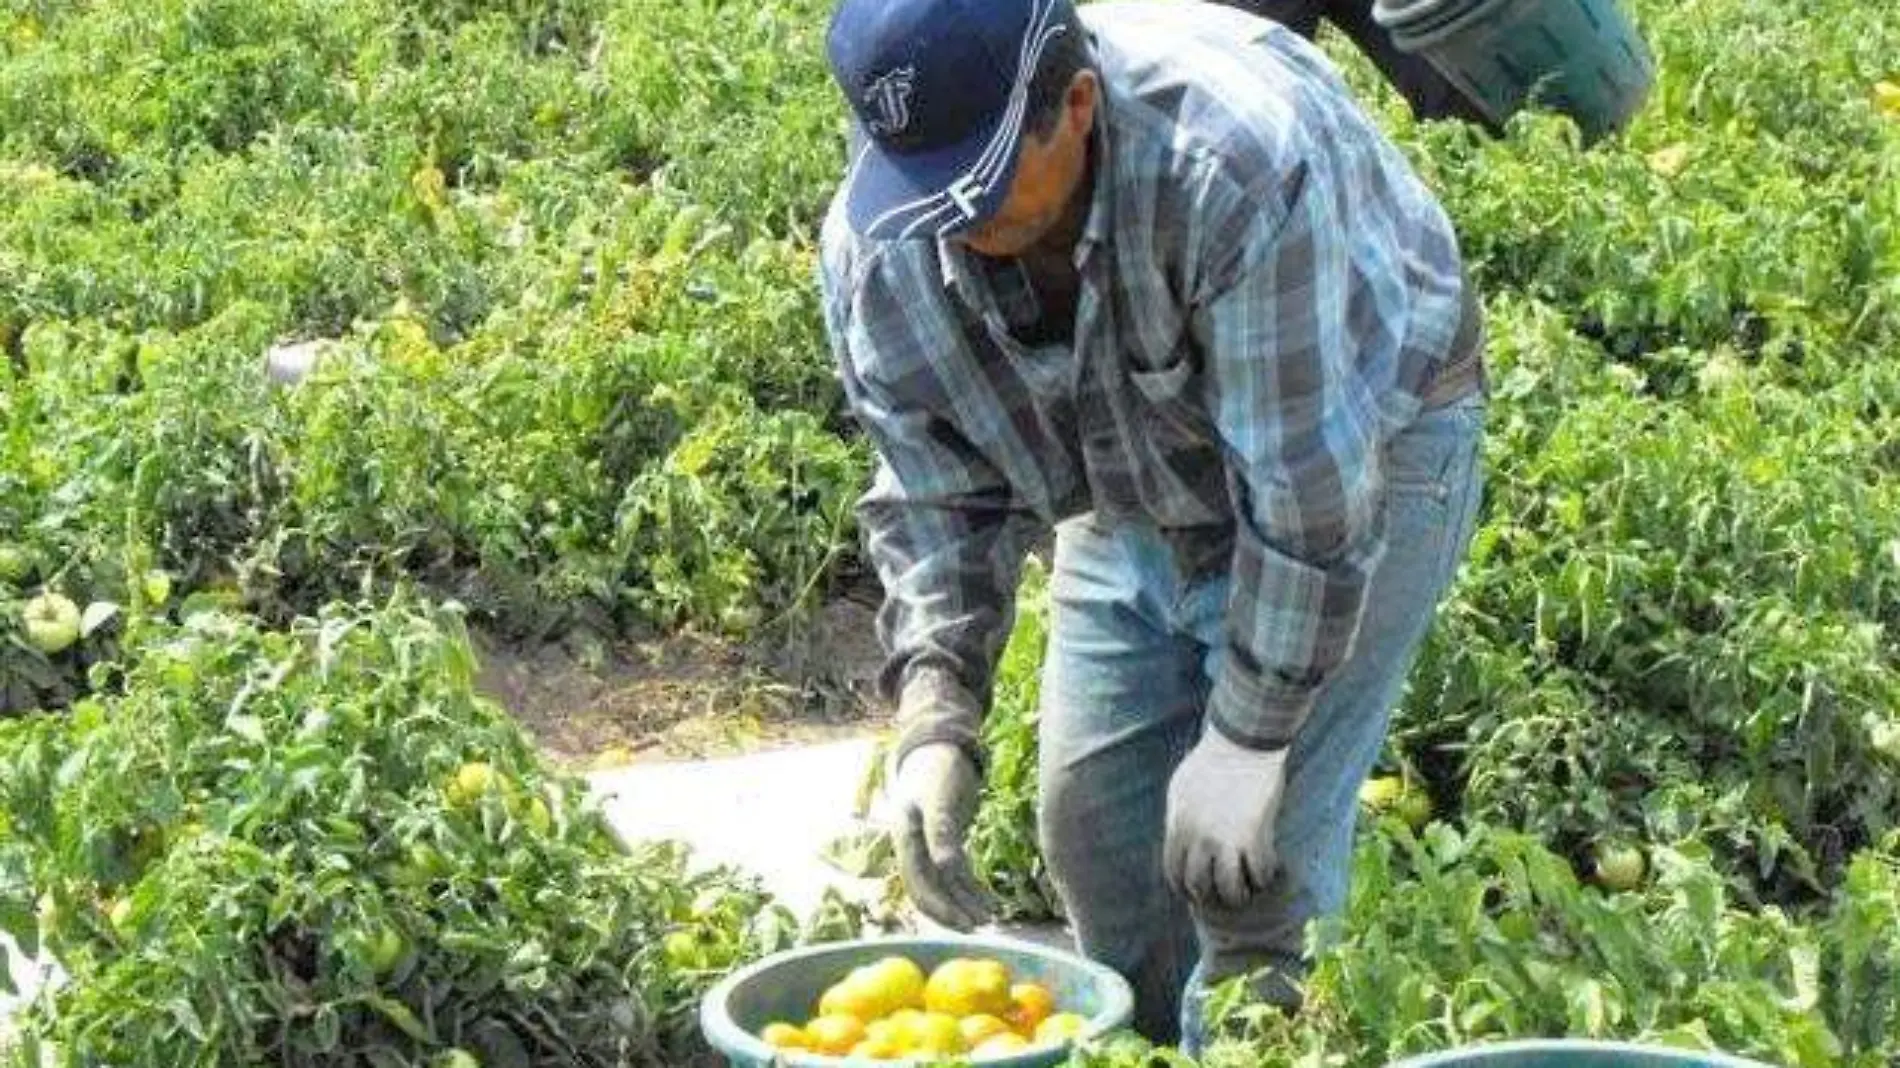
1222,803
935,792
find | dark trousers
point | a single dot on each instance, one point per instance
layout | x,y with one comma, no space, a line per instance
1430,95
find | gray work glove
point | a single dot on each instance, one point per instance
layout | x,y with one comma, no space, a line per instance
1222,804
934,794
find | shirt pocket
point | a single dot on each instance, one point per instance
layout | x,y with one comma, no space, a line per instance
1171,408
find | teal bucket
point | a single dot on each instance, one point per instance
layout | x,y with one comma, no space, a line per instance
1573,1053
1582,58
787,986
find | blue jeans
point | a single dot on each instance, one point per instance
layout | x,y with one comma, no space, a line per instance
1133,647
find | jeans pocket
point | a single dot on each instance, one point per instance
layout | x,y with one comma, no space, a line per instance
1428,458
1418,466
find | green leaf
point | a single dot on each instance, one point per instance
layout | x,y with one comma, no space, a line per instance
1589,1015
248,727
1693,1035
869,854
1805,965
397,1013
498,1046
19,920
186,1017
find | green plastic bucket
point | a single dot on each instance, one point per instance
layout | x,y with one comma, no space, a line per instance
1583,58
787,985
1573,1053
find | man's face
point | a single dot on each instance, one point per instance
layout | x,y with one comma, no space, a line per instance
1048,172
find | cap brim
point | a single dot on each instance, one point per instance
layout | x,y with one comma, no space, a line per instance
895,196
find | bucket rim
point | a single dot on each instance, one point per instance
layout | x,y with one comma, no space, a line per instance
1414,24
1483,1054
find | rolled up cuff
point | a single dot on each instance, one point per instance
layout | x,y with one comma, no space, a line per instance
1257,713
936,708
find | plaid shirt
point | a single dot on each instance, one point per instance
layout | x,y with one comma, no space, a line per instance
1266,290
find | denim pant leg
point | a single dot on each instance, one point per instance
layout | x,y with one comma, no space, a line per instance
1436,484
1120,709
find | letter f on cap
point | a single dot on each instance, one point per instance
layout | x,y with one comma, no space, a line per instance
940,91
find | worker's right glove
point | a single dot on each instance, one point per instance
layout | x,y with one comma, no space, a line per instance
1223,803
934,793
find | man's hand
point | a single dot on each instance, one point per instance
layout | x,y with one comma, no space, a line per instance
1222,803
934,792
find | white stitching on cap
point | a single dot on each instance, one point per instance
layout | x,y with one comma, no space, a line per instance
977,180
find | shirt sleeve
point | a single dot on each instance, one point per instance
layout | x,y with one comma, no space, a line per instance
941,526
1282,325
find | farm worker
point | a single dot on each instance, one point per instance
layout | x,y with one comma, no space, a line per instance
1429,93
1146,276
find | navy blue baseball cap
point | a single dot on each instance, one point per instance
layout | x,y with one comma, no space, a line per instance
939,89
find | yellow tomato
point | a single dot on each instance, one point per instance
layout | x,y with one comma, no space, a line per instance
430,186
1030,1004
1061,1027
853,997
471,781
966,987
939,1033
885,1034
980,1028
1887,97
880,1043
834,1034
899,983
784,1036
906,1026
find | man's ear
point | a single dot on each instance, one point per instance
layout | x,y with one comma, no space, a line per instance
1085,91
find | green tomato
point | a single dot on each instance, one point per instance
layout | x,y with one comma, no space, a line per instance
471,782
147,845
1392,794
1379,793
52,623
426,863
385,950
538,818
15,564
1517,926
1619,867
1414,807
157,587
683,951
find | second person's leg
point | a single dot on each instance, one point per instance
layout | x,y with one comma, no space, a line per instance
1430,94
1300,16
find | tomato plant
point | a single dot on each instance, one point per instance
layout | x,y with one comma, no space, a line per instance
318,846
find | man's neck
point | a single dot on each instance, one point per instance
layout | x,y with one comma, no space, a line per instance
1058,245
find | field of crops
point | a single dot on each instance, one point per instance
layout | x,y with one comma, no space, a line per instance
558,258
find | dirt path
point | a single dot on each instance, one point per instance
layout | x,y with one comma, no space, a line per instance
690,696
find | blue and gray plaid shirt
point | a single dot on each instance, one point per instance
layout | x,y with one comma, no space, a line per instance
1266,289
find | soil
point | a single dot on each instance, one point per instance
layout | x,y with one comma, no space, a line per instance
690,696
